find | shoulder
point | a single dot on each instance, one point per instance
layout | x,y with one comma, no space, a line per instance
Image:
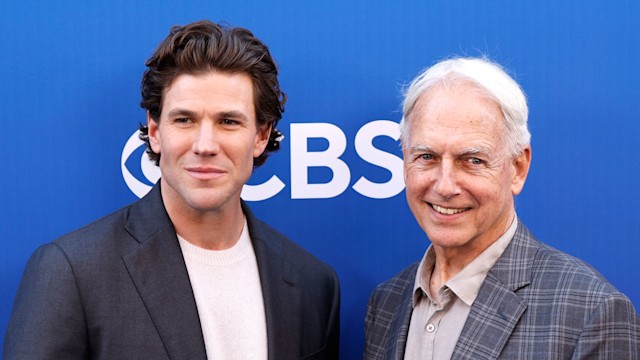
97,236
272,242
559,279
390,299
294,254
95,249
567,271
140,220
79,254
400,280
46,261
547,267
394,289
590,305
267,238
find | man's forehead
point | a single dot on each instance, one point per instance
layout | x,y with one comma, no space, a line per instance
188,92
457,141
442,129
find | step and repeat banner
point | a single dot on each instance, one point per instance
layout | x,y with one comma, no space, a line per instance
69,95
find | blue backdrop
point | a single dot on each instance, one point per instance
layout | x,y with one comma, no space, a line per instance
69,94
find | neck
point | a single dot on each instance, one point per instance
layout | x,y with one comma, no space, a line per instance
210,231
217,229
451,260
447,266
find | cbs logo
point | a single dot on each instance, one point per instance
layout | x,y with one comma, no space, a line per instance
302,159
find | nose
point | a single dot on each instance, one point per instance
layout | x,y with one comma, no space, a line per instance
446,183
206,140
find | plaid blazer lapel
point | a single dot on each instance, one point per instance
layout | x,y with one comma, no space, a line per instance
491,321
497,309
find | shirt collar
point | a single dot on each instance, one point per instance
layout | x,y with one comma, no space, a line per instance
466,284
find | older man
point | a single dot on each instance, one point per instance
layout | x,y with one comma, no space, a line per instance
485,288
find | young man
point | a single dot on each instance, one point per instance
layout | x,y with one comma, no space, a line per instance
187,272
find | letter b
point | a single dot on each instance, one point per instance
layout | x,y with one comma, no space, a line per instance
302,160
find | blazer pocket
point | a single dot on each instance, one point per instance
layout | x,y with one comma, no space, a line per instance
318,355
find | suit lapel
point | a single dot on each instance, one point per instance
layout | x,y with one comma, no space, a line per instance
493,316
497,309
159,273
280,291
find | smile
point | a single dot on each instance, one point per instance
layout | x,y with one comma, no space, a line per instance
447,211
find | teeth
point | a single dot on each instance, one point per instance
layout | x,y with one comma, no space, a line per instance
447,211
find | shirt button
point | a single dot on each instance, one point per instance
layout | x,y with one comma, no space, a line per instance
430,328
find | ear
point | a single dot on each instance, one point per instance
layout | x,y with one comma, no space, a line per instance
521,169
154,134
261,140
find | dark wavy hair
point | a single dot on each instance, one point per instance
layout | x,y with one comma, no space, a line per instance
201,47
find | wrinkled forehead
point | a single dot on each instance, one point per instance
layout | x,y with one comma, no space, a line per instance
461,112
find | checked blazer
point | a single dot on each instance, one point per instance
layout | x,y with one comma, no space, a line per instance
535,303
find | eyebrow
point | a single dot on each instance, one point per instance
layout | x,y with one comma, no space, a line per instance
421,148
472,150
189,113
233,114
180,112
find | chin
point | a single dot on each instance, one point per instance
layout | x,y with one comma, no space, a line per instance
206,203
448,239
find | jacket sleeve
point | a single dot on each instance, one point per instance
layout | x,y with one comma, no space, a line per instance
612,331
47,321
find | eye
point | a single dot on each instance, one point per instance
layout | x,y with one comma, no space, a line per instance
426,157
229,122
182,120
475,161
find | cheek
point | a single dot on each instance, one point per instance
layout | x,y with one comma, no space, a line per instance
493,195
406,174
241,152
409,175
416,181
497,183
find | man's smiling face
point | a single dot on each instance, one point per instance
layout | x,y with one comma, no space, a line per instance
460,179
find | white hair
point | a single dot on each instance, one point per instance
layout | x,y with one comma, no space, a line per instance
490,79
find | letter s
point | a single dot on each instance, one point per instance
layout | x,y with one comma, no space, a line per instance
369,153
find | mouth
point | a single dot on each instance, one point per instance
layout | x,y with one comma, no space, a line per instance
204,173
448,211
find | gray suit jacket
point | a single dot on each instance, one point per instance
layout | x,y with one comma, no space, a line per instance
536,303
119,289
